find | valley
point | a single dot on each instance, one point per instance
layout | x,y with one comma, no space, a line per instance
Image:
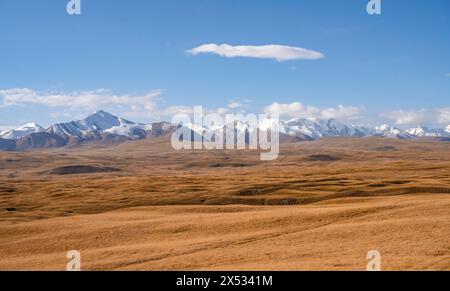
140,205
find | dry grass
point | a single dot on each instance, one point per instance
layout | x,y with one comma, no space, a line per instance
322,205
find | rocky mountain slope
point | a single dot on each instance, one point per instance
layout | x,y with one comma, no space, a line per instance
105,128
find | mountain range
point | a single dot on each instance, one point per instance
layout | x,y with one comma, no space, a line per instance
105,128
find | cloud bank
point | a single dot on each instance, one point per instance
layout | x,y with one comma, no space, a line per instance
299,110
279,53
146,106
92,100
422,116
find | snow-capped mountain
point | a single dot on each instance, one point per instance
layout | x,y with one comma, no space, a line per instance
22,131
106,128
391,132
302,129
306,127
100,127
103,122
325,128
335,128
422,131
317,129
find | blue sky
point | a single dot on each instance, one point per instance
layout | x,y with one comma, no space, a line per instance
392,67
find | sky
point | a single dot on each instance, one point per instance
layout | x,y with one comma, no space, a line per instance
146,60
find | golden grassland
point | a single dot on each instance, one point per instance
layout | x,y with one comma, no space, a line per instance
143,206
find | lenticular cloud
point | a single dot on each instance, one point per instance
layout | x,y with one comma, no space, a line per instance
277,52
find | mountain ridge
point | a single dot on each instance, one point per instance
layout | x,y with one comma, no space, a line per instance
103,127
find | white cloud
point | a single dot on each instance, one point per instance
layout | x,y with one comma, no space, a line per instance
92,100
232,107
295,109
235,105
444,115
189,110
65,115
220,111
342,112
422,116
402,117
299,110
72,105
277,52
174,110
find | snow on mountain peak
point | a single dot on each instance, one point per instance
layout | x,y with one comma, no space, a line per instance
383,127
21,131
104,122
423,131
388,131
30,125
100,121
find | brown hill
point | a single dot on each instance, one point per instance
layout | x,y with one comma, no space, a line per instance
321,205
